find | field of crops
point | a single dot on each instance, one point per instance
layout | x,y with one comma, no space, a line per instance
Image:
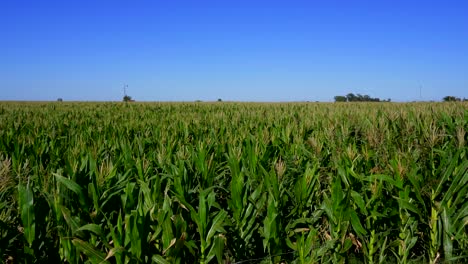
233,182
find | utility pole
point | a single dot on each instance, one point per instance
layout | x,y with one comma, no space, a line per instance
125,89
420,92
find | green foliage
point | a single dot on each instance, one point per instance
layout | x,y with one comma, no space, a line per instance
340,98
128,98
216,183
449,98
357,98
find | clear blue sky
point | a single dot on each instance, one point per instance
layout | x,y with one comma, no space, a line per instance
234,50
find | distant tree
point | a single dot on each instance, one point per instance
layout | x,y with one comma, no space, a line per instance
357,98
465,99
128,98
59,100
351,97
220,100
449,98
340,98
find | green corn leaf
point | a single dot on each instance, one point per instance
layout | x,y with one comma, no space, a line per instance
311,241
405,204
356,223
148,199
416,180
346,245
121,234
269,224
136,225
411,243
217,225
191,246
384,178
344,176
167,233
96,229
219,247
26,203
202,214
171,244
461,195
327,207
376,214
382,255
459,181
92,188
459,217
448,172
290,244
73,222
359,201
71,185
114,235
114,251
159,259
95,255
447,241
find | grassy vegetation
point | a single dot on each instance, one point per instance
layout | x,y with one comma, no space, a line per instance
214,182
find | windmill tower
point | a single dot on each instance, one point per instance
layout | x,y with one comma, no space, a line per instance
125,89
420,93
126,98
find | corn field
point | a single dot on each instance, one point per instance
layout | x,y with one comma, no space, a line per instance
233,182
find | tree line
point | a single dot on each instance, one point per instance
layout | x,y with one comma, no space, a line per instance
366,98
358,98
450,98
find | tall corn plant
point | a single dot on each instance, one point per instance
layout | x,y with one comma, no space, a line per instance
273,223
406,187
245,200
303,235
210,221
337,222
26,207
449,209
